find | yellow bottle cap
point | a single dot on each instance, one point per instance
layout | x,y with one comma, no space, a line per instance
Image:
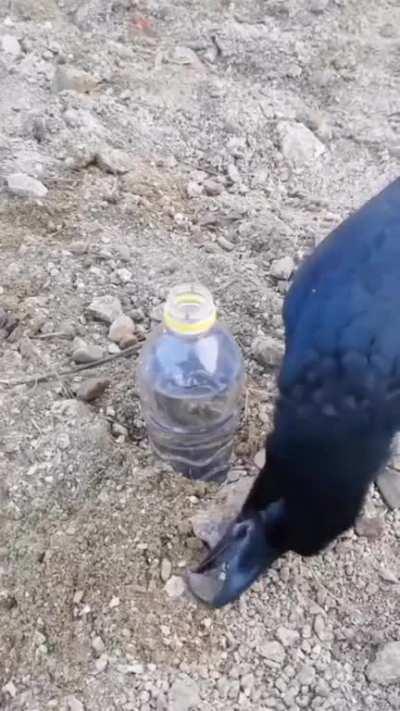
189,310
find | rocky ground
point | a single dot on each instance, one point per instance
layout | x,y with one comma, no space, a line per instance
142,143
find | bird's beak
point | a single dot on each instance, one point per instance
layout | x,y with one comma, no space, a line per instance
234,564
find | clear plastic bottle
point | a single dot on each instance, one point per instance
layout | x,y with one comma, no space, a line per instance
190,378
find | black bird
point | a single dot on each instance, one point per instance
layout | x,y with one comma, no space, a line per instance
338,406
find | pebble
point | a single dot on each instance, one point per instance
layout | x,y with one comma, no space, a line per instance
287,637
371,528
299,145
114,602
259,459
267,351
184,694
10,689
306,676
233,173
175,586
98,645
388,483
386,667
121,329
282,268
10,45
193,189
113,160
124,275
105,309
388,575
166,569
212,187
272,651
24,186
317,7
319,627
92,388
84,353
69,78
225,244
101,663
73,704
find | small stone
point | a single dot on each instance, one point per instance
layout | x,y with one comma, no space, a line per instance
388,575
166,569
272,651
83,353
121,328
287,637
267,351
319,627
24,186
233,173
68,78
388,483
10,45
113,349
184,694
114,602
371,528
101,663
92,388
193,189
119,430
259,459
130,668
175,587
128,341
317,7
212,187
306,676
113,160
105,309
73,704
225,244
10,689
98,645
299,145
282,268
386,667
124,275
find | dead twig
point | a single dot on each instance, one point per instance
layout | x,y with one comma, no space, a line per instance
51,375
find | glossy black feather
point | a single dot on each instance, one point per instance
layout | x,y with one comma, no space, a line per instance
339,404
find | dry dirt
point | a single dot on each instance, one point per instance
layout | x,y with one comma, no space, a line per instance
244,131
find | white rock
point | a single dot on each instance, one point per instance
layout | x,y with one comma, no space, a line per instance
282,268
25,186
306,676
121,328
299,145
98,645
68,78
105,308
259,459
166,569
124,275
10,689
101,663
286,636
73,704
193,189
175,586
184,694
272,651
386,667
113,160
10,45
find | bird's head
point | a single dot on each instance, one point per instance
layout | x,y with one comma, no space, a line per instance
250,545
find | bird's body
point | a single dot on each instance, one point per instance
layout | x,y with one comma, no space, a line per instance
339,398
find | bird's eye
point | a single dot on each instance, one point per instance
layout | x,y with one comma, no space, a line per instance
241,530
